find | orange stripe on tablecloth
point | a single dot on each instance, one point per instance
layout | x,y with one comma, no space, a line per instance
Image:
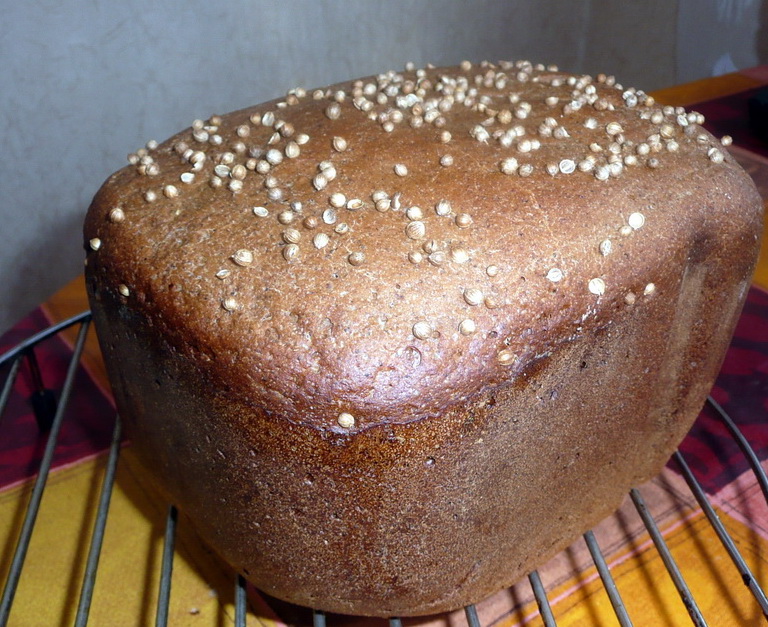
580,598
707,89
66,303
652,599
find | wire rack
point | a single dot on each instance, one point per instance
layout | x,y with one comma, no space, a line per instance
49,413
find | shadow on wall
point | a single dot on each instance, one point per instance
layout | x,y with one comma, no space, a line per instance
761,39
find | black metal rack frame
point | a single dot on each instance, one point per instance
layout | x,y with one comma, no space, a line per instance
50,417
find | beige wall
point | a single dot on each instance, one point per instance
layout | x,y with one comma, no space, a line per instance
77,94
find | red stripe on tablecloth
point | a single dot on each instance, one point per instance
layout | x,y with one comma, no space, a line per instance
758,73
742,390
87,424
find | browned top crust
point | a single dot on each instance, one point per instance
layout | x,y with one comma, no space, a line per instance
379,250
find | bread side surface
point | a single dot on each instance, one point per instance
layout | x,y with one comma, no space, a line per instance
360,327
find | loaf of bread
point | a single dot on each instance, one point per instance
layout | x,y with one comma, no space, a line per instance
393,343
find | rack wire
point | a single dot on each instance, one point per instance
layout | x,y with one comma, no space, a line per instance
51,414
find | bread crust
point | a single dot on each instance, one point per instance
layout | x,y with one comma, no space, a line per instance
324,413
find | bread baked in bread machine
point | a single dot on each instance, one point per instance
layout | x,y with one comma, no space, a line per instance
393,343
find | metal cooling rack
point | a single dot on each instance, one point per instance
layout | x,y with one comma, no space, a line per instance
49,414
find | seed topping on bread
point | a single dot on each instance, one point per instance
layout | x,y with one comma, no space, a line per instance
293,168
